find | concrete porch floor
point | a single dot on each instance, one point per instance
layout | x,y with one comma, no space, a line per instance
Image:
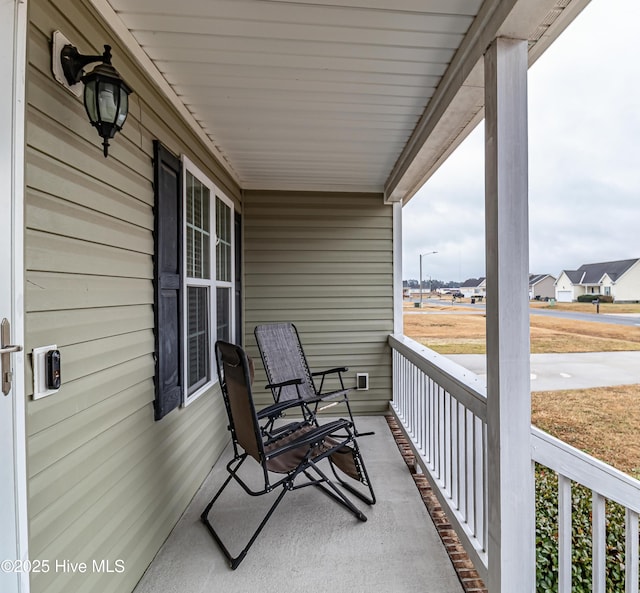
311,543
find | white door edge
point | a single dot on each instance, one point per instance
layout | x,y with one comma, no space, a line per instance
13,26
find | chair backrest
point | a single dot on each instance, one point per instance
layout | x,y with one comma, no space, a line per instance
235,373
284,359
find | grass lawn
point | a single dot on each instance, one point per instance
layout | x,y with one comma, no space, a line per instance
602,421
459,330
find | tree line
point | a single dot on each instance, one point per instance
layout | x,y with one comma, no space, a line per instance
432,284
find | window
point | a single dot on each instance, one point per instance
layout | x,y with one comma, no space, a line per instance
198,282
195,278
208,277
224,270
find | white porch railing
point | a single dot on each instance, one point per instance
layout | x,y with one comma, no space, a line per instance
441,408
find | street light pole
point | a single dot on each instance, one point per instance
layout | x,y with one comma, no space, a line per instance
421,256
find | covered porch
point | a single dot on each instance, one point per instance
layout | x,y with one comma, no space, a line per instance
310,543
439,417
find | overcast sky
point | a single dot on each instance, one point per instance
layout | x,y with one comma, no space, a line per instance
584,161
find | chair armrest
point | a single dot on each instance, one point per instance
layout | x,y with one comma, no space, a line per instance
333,371
312,437
330,371
276,409
283,383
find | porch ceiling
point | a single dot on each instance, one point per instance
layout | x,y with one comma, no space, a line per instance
360,95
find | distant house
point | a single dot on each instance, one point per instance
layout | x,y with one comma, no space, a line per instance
619,279
474,287
542,286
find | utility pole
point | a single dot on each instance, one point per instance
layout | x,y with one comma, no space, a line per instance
421,256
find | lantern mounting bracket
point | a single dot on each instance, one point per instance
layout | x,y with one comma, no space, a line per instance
73,62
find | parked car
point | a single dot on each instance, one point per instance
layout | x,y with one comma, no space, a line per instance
457,295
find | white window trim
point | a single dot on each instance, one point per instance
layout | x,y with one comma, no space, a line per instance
224,283
212,283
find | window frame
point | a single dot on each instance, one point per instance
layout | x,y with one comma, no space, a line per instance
189,167
228,285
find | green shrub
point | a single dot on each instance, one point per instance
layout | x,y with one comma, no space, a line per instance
547,538
587,298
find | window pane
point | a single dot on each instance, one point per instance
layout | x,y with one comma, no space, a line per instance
223,314
223,246
198,229
198,336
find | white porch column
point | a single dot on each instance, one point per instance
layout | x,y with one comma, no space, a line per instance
398,327
511,499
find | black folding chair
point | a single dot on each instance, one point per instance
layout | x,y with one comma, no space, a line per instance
294,453
289,375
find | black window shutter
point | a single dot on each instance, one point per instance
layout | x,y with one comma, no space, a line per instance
167,280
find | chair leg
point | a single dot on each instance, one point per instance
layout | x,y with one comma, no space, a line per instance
371,500
235,561
355,426
335,493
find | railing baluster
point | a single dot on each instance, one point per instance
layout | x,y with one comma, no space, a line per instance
631,551
471,517
564,534
441,429
461,458
417,376
485,500
437,426
455,455
447,443
478,482
599,543
424,416
417,406
433,433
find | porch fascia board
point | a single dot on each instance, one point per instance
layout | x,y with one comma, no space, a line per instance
458,104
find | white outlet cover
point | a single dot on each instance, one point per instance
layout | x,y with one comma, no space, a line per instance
362,381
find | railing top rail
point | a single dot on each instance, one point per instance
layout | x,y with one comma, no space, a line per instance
585,469
461,383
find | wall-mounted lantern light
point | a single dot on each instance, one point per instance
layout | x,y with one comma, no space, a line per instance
106,95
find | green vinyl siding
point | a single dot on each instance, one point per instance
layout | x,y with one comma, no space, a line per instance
105,482
324,261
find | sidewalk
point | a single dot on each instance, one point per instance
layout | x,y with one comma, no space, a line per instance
551,372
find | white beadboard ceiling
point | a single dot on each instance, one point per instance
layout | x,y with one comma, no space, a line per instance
329,94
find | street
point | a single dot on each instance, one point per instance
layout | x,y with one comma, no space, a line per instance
621,319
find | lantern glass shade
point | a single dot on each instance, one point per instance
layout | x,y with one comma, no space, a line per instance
107,104
90,101
124,107
106,99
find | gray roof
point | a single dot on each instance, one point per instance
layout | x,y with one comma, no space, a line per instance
574,275
472,282
535,278
593,273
